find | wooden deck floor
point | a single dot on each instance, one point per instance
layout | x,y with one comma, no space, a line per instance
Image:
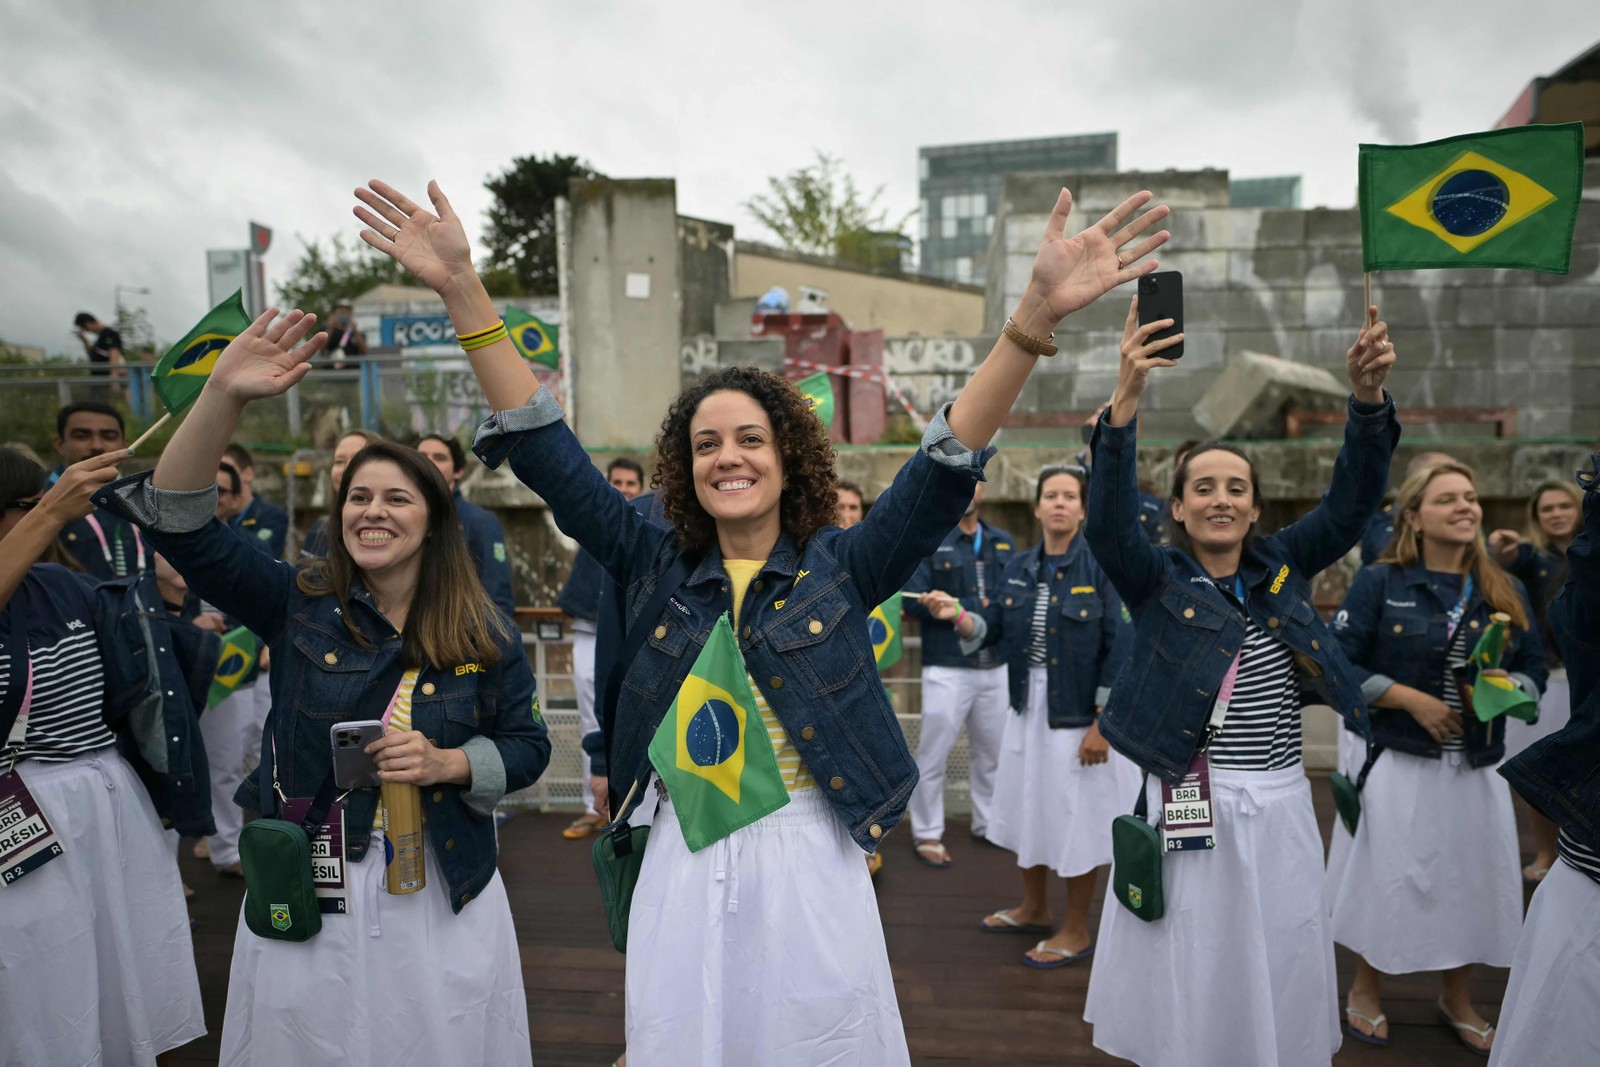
965,996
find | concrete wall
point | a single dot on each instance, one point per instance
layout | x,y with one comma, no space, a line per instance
705,272
625,347
1289,283
896,304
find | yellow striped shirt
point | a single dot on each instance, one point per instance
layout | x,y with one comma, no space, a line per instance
400,720
795,774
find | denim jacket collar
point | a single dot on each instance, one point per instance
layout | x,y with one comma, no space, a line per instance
782,562
1033,559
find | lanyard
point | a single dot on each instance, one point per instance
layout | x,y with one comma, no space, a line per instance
105,546
1459,610
21,663
1219,710
389,711
977,541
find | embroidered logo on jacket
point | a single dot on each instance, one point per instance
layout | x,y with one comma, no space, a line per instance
1082,589
469,668
1277,583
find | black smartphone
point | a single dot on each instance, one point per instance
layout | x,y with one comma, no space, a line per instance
1161,297
353,767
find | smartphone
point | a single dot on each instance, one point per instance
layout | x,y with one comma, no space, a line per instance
353,767
1161,297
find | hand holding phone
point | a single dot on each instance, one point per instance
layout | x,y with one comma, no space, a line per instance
353,766
1161,297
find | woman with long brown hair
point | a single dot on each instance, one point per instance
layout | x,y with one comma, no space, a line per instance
344,449
1429,881
392,624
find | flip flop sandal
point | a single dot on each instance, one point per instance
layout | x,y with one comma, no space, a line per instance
1372,1038
1050,965
579,829
1482,1033
1008,925
932,854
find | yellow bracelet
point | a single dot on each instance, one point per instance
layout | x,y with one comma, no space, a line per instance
480,333
483,338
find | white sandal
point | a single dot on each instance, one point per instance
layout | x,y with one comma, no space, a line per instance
1483,1033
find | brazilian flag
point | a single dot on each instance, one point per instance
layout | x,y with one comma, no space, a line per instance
818,391
712,750
534,339
238,656
883,627
1493,695
1506,198
179,375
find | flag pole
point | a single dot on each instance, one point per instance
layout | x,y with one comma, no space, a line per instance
1366,310
162,421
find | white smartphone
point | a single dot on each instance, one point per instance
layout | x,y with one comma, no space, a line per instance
353,767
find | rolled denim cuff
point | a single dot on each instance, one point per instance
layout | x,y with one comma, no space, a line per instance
499,433
980,630
1375,686
1527,684
1102,693
488,775
165,510
1374,418
942,446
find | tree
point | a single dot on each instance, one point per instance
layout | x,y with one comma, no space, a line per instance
337,273
818,209
520,239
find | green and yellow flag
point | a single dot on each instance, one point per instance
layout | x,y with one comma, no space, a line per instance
536,340
712,750
818,391
1506,198
883,627
179,375
239,653
1493,696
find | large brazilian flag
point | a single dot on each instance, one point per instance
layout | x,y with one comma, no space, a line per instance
534,339
179,375
239,653
883,627
1506,198
712,750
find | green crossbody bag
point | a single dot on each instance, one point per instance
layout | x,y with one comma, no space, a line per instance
1136,861
280,898
618,858
1347,794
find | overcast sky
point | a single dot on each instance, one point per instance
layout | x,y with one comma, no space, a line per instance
134,136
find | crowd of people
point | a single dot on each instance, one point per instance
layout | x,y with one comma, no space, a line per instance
1146,662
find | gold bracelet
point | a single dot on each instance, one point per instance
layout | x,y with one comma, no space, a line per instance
1032,345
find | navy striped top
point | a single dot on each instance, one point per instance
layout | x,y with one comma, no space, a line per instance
68,676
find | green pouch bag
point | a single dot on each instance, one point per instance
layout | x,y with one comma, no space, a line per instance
1136,862
1347,794
280,899
618,857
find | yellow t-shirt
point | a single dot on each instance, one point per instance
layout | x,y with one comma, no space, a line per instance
795,775
400,720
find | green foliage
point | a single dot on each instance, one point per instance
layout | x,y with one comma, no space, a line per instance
520,239
818,209
337,273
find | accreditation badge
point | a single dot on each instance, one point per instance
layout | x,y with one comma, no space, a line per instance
327,855
1186,809
27,841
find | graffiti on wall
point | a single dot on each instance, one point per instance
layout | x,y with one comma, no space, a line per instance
931,370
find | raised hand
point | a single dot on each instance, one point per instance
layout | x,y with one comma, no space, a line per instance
1140,356
68,499
1369,359
1072,272
1503,546
268,358
431,245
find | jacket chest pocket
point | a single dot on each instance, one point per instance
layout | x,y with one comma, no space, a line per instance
947,573
817,634
330,676
666,643
1080,617
1404,628
446,714
1190,630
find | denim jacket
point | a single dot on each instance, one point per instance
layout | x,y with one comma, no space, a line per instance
803,624
320,676
1186,632
1083,636
953,569
1560,774
486,544
1393,627
580,595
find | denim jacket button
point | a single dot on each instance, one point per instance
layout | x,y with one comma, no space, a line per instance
808,733
814,626
1473,624
760,585
1398,628
330,659
427,689
661,633
450,845
1314,646
746,633
1188,613
438,795
1083,613
465,896
1272,623
875,830
836,782
775,682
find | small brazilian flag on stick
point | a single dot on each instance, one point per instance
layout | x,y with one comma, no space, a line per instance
1506,198
712,750
537,341
179,375
883,626
818,391
238,655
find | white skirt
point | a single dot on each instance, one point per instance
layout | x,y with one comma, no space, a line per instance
1555,711
1049,809
96,962
1549,1013
1432,879
398,980
1240,968
762,950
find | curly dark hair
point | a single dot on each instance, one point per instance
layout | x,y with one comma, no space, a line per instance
810,493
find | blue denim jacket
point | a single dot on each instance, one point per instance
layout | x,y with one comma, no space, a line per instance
1083,639
803,625
1557,774
580,595
953,569
1393,626
320,676
263,525
1186,632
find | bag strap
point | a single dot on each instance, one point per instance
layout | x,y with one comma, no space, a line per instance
1141,807
1373,752
632,641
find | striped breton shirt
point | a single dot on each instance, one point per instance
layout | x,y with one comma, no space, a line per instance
1262,730
987,657
1037,652
1584,860
1455,656
68,675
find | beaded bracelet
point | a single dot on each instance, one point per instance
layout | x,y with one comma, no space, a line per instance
481,338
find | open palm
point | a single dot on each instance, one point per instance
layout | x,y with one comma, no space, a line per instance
1073,272
267,358
431,245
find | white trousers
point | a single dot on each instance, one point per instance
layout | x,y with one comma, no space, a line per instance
232,733
951,697
583,682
